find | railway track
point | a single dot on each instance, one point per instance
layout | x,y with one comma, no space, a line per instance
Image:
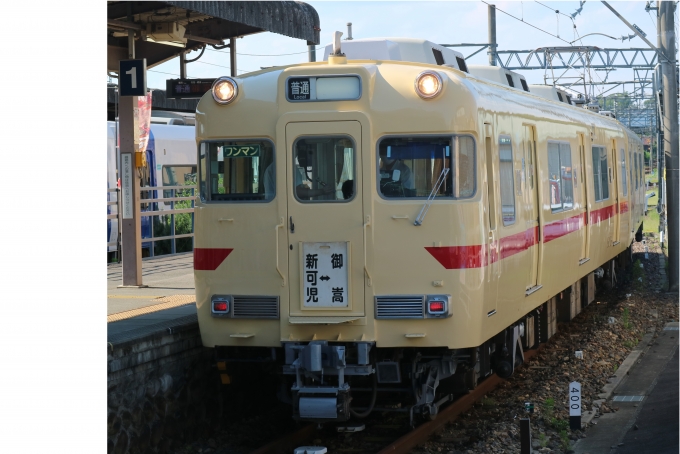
405,443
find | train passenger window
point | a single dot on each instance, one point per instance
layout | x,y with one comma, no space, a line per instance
600,173
412,167
237,170
177,176
624,179
560,176
324,169
506,180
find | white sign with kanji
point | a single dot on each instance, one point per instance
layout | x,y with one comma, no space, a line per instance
324,274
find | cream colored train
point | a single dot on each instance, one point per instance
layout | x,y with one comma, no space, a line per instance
385,220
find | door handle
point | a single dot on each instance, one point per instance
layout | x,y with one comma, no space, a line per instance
367,223
276,230
292,226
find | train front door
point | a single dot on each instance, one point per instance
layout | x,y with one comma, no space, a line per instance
533,224
325,221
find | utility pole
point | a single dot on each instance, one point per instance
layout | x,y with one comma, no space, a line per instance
492,35
670,133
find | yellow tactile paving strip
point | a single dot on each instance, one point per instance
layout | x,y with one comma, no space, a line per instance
165,302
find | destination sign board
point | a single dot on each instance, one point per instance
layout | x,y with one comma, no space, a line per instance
299,89
187,88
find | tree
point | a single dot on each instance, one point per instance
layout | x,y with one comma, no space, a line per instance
617,101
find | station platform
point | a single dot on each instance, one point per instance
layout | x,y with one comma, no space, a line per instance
168,302
646,401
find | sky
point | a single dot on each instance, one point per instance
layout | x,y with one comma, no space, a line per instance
442,22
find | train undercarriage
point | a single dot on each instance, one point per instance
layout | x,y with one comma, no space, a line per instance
327,381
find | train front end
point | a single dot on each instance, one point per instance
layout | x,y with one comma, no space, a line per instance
337,200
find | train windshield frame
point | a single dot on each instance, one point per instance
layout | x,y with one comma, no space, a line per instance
238,170
409,166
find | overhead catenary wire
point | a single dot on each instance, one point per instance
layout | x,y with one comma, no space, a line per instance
527,23
267,55
553,9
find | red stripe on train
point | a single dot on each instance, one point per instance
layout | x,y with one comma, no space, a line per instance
563,227
476,256
208,259
602,214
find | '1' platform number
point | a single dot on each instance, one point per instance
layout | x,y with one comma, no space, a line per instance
132,77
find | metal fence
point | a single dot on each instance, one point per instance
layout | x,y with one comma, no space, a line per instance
159,217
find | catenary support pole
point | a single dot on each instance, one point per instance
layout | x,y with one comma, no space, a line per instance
232,56
311,50
661,201
670,133
492,35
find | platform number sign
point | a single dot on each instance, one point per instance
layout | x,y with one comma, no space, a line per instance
132,77
575,405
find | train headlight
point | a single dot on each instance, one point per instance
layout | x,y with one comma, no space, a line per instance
428,84
224,90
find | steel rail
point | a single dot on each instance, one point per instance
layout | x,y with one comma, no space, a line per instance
289,442
421,433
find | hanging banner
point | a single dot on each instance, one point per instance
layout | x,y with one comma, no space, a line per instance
143,113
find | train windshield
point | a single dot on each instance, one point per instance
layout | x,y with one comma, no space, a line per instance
240,170
410,167
324,169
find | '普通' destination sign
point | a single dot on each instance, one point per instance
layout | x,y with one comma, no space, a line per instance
299,89
241,151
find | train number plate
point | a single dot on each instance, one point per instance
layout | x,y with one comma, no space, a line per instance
324,274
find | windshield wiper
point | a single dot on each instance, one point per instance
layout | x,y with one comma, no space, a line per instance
430,198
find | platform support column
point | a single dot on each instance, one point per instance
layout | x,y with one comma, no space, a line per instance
130,217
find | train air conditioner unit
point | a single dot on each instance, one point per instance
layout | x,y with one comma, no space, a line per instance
171,33
500,76
400,49
552,93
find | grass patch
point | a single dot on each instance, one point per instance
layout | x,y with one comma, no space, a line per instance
542,440
564,439
488,402
651,221
638,275
626,319
629,344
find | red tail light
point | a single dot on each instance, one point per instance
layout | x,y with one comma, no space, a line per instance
220,306
436,307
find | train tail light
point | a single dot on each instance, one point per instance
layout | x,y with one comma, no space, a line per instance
436,307
428,84
220,306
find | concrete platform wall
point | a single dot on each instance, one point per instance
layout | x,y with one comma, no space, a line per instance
162,389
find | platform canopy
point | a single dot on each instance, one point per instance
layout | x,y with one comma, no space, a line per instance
210,22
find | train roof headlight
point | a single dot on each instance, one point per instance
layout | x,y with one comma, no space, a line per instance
428,84
224,90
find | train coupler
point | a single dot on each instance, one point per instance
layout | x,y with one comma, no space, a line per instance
320,392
